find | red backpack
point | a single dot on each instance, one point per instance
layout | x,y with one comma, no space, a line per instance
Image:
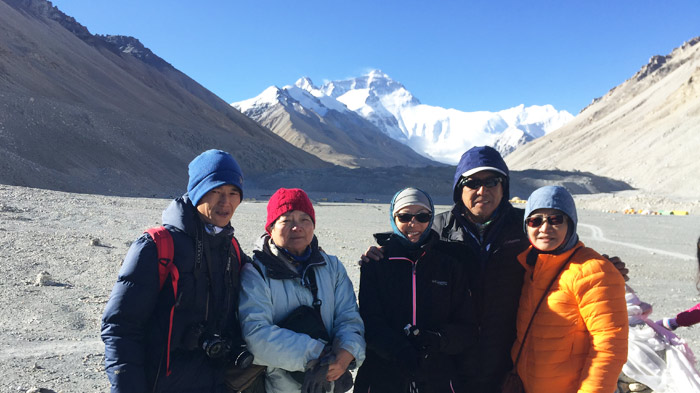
166,251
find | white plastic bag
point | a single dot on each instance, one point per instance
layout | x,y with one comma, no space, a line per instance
657,357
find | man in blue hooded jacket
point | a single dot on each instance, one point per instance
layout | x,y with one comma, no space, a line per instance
486,230
147,349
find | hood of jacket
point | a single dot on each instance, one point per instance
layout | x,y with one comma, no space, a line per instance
477,159
555,197
182,215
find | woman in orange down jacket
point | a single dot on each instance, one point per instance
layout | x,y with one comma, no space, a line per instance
578,338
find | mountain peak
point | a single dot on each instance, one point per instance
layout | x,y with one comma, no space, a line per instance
45,9
305,83
377,74
437,133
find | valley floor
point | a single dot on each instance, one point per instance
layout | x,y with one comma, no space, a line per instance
49,335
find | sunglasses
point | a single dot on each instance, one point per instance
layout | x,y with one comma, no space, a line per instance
407,217
536,221
475,184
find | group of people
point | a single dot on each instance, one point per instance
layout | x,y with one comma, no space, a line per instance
468,300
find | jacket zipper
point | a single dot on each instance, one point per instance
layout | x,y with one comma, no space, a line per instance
414,264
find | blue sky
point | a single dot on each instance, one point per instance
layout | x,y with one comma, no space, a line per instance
467,55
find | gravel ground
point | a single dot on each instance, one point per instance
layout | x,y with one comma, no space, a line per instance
49,334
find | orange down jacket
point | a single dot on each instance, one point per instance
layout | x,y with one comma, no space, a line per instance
578,340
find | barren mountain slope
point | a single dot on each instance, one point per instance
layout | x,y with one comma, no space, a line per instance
645,131
100,114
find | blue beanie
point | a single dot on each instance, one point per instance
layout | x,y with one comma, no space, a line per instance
212,169
554,197
477,159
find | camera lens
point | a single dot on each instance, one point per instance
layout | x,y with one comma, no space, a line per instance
244,359
213,347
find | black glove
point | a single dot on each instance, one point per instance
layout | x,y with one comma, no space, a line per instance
344,383
428,341
315,376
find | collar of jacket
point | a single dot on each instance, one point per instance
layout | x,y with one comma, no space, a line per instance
182,216
446,225
395,247
276,268
459,211
532,256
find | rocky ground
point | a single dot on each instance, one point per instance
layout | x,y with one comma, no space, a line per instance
60,254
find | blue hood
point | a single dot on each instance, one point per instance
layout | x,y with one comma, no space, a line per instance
398,233
555,197
477,159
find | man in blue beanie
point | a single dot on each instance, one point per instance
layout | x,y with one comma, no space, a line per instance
485,230
164,339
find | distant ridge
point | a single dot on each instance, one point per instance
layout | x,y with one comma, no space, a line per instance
389,108
646,131
103,114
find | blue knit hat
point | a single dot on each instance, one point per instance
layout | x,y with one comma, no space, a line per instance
477,159
212,169
554,197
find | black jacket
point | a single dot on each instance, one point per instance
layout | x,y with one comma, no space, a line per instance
136,319
496,280
443,305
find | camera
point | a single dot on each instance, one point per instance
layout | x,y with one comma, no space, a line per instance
217,347
213,345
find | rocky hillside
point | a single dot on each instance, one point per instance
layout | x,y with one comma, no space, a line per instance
645,131
103,114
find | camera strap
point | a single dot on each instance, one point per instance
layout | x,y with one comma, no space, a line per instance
310,284
228,283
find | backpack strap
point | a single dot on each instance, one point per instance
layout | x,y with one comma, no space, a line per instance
237,249
166,251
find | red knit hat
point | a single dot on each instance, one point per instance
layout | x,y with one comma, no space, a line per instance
285,200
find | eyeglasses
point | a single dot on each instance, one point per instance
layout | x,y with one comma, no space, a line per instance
536,221
475,184
420,217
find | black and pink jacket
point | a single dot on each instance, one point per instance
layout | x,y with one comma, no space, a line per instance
425,288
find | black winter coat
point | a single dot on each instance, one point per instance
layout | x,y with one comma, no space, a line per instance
443,304
496,280
136,319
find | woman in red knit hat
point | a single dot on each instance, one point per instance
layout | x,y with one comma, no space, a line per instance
290,273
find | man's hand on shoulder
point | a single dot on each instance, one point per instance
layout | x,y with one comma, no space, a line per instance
619,265
373,253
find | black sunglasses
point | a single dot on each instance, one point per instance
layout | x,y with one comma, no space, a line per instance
407,217
475,184
536,221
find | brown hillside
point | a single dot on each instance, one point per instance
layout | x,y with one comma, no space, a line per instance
645,131
103,114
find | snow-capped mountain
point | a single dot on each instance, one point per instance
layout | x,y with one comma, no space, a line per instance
437,133
319,124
